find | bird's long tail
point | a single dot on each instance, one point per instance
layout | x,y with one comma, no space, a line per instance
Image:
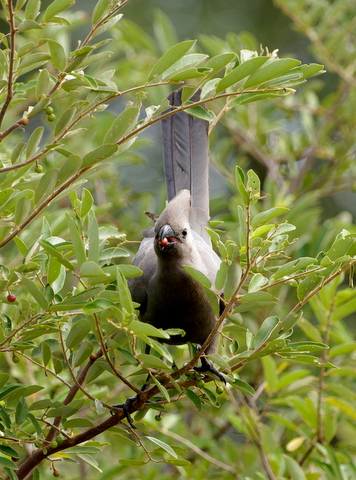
186,161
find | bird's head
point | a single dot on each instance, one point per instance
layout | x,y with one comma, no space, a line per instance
172,230
168,237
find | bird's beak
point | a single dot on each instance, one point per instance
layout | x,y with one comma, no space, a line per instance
166,238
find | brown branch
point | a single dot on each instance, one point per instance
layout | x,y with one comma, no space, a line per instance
10,80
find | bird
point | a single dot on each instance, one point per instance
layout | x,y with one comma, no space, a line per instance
168,296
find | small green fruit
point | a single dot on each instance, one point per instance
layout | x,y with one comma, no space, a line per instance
38,169
59,439
200,383
54,444
158,418
49,110
219,390
15,359
51,117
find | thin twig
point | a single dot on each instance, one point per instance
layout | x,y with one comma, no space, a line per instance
199,451
10,79
108,359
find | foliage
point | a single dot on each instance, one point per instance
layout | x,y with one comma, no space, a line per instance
71,342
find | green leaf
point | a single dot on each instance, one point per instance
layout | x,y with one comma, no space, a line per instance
16,153
240,182
54,252
33,142
190,73
194,399
267,215
341,246
10,452
161,388
6,462
77,240
92,271
220,61
64,121
221,276
78,422
46,185
77,333
140,328
124,292
58,55
32,9
242,386
253,185
150,361
56,7
198,275
307,285
99,154
32,62
5,417
122,124
199,112
22,210
94,242
289,268
270,372
107,25
24,392
268,329
163,445
241,71
172,56
46,353
42,84
97,305
101,8
272,69
257,281
4,377
33,290
232,280
294,469
21,411
69,168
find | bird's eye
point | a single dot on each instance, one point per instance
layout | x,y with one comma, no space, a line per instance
184,232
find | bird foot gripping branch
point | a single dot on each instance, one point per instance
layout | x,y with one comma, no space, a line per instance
208,367
127,408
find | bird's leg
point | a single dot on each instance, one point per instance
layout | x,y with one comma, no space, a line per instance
127,405
208,366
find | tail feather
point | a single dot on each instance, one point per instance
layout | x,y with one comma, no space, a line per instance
186,161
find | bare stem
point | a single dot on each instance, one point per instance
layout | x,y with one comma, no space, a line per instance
10,79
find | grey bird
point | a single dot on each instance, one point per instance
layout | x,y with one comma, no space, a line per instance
168,295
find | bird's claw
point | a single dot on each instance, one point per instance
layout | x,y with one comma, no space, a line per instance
127,408
208,366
